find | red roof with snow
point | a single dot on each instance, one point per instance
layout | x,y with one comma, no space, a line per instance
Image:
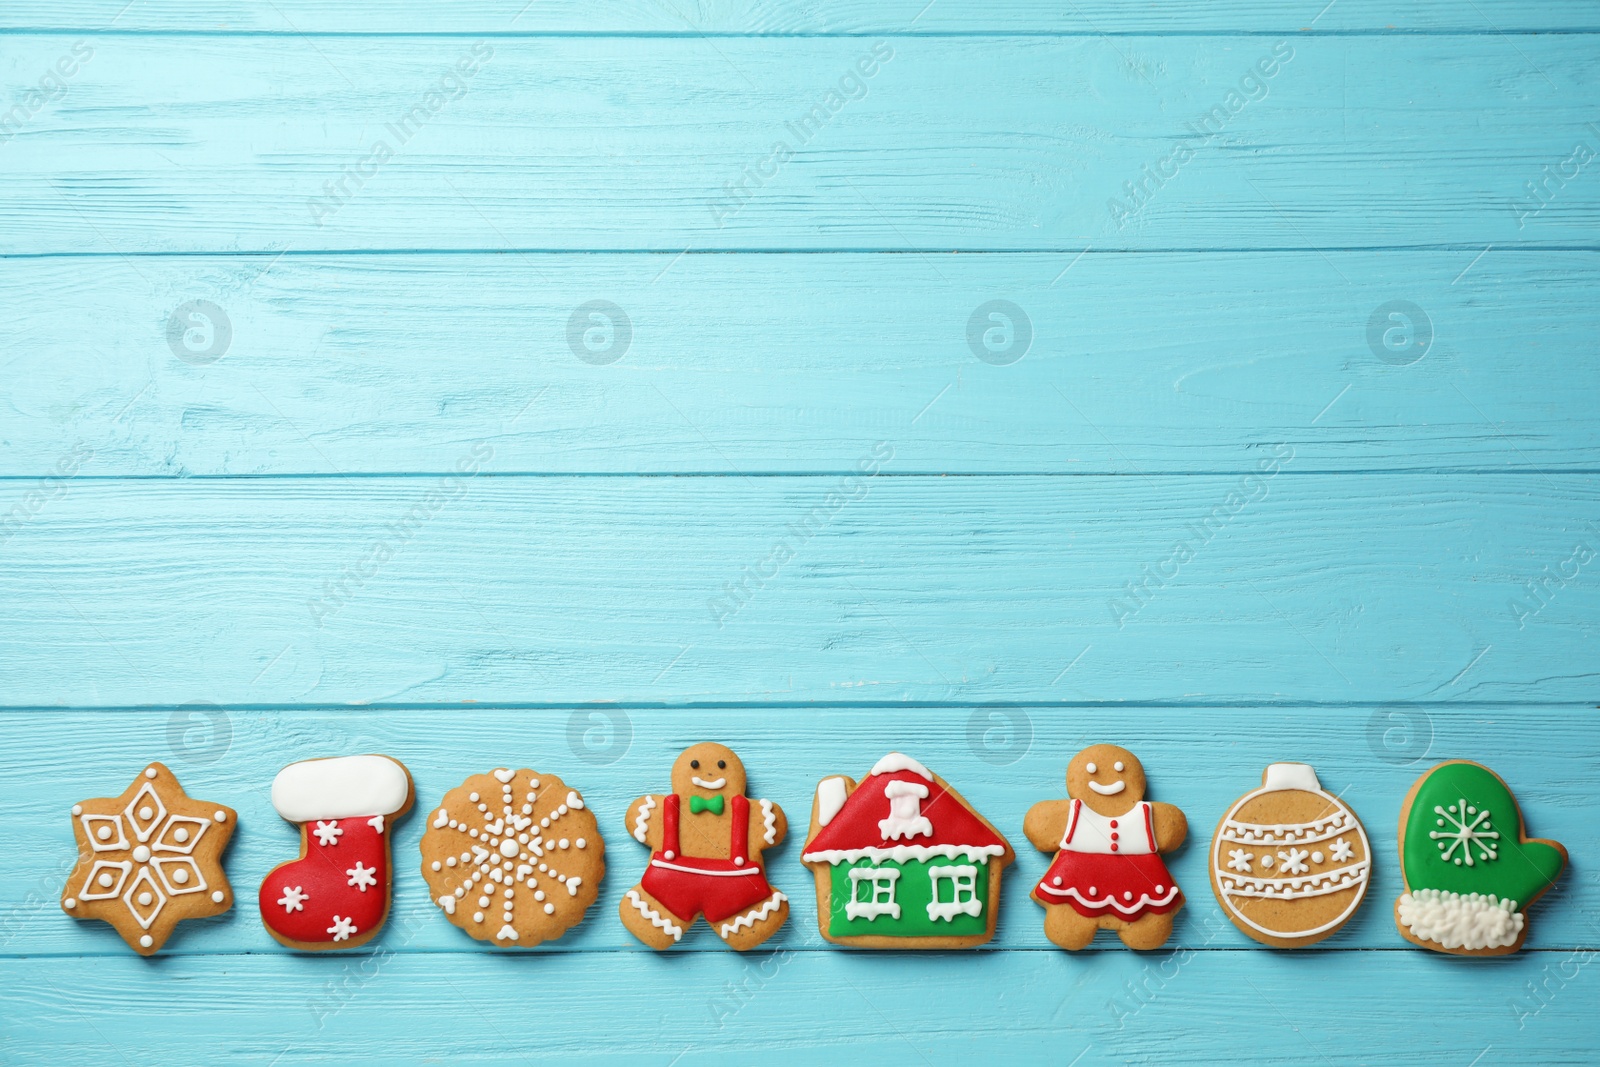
856,824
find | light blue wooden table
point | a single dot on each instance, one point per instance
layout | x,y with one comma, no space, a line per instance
1282,444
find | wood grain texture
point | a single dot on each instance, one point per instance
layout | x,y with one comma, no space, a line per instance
1138,364
1002,759
792,17
272,143
1268,587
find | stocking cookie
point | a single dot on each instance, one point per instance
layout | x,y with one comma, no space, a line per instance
706,838
149,859
903,861
513,857
1290,862
1470,873
1108,873
336,895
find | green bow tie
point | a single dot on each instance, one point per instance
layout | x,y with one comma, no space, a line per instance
699,804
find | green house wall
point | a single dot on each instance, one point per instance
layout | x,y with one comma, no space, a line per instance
913,892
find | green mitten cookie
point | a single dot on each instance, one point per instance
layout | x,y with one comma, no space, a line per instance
1470,873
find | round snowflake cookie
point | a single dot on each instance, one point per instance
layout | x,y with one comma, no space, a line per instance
513,857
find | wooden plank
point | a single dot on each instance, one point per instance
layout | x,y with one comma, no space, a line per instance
756,363
1002,759
1247,1007
1351,142
1200,589
790,17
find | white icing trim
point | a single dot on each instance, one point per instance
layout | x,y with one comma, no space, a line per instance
881,878
831,795
754,915
1282,776
654,916
340,788
1109,790
1340,822
769,821
902,853
1309,885
964,877
899,761
642,820
1125,907
696,870
1472,921
715,783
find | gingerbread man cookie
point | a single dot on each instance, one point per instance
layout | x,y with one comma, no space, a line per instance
513,857
336,895
149,859
1108,840
706,838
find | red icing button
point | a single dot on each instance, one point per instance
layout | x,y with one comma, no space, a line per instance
1113,848
1113,824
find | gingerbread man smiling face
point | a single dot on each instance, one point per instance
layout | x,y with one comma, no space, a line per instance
1106,778
706,838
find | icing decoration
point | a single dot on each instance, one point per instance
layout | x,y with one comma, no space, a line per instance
147,860
903,861
496,839
1302,892
1470,873
337,893
1108,790
710,866
1103,862
341,788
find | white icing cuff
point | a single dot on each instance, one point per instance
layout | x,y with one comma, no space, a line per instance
340,788
1472,921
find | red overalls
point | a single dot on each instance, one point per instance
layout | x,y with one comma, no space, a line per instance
687,886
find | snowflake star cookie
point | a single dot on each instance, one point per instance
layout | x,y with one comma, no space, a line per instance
336,895
513,857
149,859
1470,873
901,860
1108,873
1290,862
706,838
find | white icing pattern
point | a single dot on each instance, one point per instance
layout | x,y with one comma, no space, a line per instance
769,822
506,853
898,761
293,899
641,822
655,917
1463,834
342,928
1456,921
902,853
754,915
340,788
1304,833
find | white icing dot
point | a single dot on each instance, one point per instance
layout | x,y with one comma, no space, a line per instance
142,853
180,876
538,894
451,862
149,772
465,856
146,941
1091,891
105,880
508,892
1161,889
544,822
534,782
542,867
1056,880
147,812
1316,857
1117,766
1091,768
474,833
477,916
220,816
77,809
483,807
580,842
527,809
145,899
561,809
738,861
1127,894
180,835
668,854
549,909
561,878
72,902
436,865
473,797
217,897
563,842
103,833
508,848
1266,861
483,902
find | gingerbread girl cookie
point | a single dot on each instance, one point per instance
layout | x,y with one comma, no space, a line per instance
336,895
149,859
706,838
1108,840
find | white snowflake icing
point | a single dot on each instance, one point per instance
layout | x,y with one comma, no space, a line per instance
507,849
328,833
1239,860
1294,861
293,899
1340,850
1463,834
342,928
362,877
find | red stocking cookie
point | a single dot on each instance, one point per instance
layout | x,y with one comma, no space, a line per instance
1108,840
336,895
149,859
706,839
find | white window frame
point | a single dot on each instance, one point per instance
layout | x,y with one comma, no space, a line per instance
882,879
962,877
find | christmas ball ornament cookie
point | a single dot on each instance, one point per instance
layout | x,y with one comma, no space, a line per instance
149,859
1290,863
1469,871
513,857
337,893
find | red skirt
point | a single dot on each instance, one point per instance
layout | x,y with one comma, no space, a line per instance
1128,887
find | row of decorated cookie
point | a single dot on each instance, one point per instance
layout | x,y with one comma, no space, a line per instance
900,859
